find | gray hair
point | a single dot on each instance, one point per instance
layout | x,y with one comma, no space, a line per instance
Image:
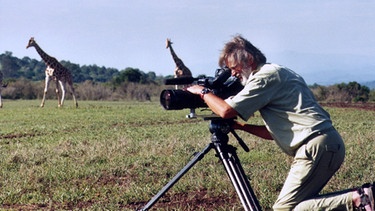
241,51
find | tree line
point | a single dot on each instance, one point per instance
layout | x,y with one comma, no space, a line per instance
26,81
32,69
351,92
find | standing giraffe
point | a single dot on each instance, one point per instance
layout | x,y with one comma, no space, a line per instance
181,70
2,85
54,71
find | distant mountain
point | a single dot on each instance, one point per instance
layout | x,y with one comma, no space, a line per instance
370,84
328,69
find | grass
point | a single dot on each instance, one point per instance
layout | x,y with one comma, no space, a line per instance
117,155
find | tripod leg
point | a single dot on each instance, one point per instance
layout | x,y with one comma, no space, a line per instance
244,183
233,167
196,158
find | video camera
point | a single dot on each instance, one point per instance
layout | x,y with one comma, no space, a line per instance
222,85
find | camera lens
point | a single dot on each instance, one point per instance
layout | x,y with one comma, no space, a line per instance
165,99
180,99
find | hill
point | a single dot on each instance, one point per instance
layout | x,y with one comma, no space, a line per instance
370,84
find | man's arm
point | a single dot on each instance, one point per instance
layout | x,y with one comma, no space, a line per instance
215,103
257,130
225,111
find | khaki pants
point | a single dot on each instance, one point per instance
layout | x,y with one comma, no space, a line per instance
314,164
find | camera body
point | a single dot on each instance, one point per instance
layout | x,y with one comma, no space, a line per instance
222,85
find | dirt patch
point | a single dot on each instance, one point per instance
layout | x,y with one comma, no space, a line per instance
197,200
193,201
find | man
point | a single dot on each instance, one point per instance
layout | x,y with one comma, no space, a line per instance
297,123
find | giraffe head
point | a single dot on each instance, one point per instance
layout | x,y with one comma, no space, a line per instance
169,43
31,42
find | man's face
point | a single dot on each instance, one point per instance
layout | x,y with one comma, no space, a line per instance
236,68
239,71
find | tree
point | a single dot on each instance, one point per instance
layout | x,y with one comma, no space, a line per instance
33,69
9,65
355,91
129,75
320,92
372,96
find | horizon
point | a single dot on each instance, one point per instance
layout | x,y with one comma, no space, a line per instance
322,41
370,84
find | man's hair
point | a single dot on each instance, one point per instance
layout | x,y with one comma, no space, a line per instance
241,51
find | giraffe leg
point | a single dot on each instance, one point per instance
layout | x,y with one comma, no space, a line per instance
47,80
62,86
73,93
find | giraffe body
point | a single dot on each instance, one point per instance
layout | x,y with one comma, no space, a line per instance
181,70
57,72
2,85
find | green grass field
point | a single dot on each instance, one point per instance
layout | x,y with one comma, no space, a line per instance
117,155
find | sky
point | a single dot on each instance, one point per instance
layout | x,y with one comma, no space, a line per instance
325,41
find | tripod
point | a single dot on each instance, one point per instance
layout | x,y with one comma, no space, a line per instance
219,129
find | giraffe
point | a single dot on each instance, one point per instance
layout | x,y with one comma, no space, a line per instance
54,71
181,70
2,85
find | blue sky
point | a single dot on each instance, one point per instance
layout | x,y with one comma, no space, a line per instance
326,41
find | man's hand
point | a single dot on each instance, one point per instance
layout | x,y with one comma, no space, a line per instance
195,89
215,103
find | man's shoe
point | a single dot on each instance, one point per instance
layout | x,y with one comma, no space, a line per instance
366,193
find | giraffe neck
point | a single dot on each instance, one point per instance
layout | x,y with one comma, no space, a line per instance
174,55
46,58
179,63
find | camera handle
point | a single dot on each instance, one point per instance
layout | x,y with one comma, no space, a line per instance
219,129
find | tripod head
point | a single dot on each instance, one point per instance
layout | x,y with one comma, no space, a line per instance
220,128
